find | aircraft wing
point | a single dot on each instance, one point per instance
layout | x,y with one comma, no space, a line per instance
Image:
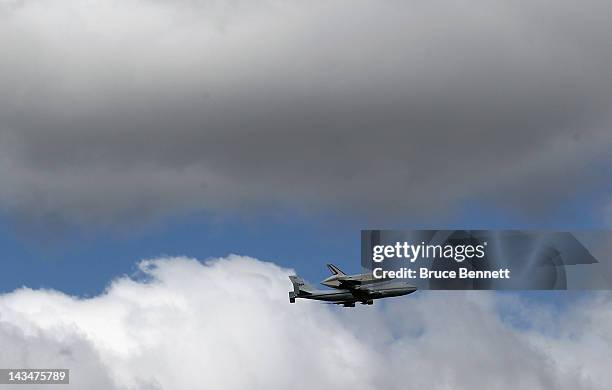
358,283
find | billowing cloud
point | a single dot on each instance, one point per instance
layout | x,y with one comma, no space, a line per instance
227,324
125,109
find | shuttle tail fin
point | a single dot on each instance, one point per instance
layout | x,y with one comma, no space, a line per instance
335,270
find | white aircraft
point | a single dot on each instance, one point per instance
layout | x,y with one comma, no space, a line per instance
349,289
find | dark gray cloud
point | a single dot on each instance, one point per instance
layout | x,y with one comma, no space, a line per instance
123,110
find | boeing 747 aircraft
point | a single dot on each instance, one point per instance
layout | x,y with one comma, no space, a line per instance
349,289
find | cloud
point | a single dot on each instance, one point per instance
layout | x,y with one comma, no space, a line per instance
227,323
122,110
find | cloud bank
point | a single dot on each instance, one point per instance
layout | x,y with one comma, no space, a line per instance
227,324
121,110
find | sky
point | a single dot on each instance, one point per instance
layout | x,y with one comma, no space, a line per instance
203,137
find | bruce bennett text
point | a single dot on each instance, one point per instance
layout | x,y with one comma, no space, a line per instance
426,273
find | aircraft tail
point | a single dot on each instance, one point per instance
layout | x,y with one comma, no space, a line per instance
335,270
300,288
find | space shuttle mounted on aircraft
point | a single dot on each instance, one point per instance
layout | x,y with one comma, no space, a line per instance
349,289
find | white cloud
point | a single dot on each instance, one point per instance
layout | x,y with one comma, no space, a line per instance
227,324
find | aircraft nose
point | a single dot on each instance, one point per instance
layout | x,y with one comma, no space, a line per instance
330,282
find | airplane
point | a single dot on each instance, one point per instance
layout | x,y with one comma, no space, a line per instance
349,289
